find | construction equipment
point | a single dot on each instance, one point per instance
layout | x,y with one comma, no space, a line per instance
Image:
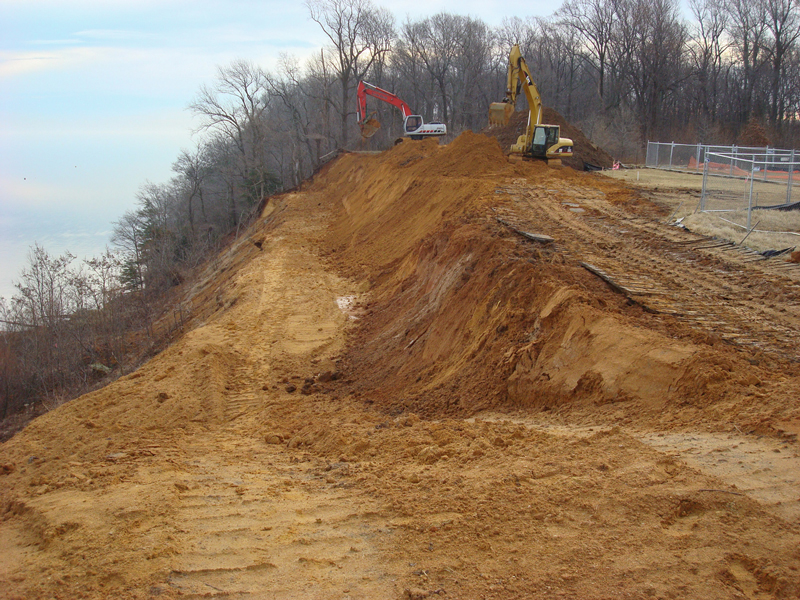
413,125
539,140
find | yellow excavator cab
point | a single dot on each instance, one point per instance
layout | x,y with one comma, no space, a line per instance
500,113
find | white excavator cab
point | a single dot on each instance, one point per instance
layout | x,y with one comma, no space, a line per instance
412,123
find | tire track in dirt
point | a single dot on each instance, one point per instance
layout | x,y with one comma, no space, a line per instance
213,508
669,271
259,523
765,469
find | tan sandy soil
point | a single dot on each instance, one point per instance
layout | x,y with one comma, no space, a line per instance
387,391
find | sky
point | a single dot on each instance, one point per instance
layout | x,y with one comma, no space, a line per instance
93,97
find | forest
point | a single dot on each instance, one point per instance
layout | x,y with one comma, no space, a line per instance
624,71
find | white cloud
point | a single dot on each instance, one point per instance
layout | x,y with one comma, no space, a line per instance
113,35
63,42
20,63
93,4
166,125
16,190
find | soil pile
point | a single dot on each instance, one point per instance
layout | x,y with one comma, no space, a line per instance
753,135
312,434
583,149
464,318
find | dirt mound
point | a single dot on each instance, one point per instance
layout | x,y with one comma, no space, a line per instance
280,448
464,318
753,135
408,191
583,150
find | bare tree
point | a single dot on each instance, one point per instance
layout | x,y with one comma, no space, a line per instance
708,50
361,34
557,61
296,119
43,287
783,23
320,83
747,25
234,108
43,304
652,49
472,92
194,169
128,235
594,20
514,30
410,78
436,42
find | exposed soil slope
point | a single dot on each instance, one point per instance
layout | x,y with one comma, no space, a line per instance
313,433
477,308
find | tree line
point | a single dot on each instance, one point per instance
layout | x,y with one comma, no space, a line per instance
624,71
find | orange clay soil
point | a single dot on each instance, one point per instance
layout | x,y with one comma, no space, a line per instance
387,390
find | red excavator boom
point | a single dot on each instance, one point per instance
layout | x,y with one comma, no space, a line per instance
367,89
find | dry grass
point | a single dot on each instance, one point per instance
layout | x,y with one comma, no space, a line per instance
658,179
773,230
727,200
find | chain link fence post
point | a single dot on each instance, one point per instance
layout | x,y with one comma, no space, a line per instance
705,182
750,199
766,157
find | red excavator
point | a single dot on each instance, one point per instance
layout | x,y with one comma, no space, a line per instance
413,125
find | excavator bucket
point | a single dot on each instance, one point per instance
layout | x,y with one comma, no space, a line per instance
369,127
500,113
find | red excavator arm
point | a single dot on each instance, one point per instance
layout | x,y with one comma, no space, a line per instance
367,89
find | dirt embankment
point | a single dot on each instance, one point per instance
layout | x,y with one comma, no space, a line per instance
466,316
312,434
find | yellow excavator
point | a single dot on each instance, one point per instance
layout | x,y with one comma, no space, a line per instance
539,140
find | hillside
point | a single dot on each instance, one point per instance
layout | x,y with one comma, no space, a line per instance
386,390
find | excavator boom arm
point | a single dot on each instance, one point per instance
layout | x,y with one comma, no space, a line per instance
367,89
520,76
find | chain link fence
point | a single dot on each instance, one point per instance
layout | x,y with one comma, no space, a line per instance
772,163
733,183
735,178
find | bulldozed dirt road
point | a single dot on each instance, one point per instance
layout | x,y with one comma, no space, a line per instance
385,391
